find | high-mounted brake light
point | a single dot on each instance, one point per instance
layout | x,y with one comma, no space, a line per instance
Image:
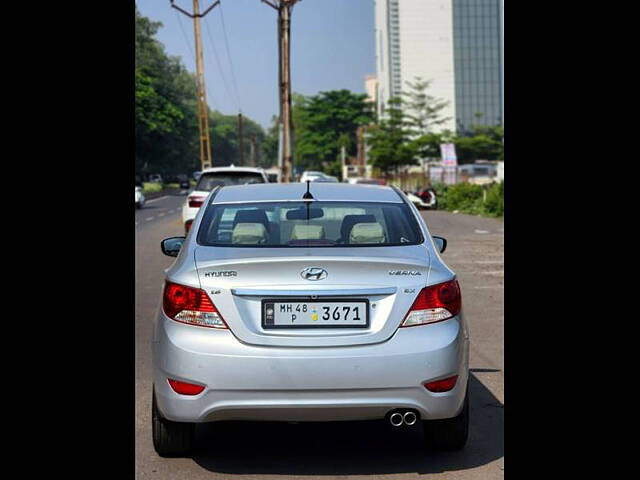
434,304
190,305
184,388
196,201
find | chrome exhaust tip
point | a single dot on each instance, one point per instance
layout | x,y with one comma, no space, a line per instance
410,418
396,419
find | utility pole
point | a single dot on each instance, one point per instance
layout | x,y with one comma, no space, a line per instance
240,140
254,149
203,109
284,8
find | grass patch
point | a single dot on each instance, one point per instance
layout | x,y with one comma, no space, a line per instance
151,187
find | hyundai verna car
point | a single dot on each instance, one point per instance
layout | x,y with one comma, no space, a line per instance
316,302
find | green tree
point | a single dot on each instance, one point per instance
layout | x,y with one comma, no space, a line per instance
484,143
424,112
269,147
389,140
321,121
166,125
424,117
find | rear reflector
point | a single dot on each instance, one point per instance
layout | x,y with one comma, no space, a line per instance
187,225
434,304
184,388
443,385
190,305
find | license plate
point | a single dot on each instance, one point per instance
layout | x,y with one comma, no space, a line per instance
315,314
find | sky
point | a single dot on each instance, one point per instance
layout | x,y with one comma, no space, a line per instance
332,47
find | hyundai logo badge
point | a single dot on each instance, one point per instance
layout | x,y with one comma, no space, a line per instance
314,273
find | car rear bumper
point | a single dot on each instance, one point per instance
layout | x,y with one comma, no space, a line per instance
188,213
247,382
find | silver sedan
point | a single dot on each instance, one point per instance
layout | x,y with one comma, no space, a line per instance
309,302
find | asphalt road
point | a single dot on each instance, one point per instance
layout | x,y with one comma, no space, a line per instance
371,450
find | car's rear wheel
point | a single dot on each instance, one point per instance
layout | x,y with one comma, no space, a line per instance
170,439
449,433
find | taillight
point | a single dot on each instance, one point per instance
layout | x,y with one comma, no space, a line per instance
187,225
190,305
434,304
184,388
443,385
196,202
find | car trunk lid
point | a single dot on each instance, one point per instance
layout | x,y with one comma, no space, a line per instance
239,280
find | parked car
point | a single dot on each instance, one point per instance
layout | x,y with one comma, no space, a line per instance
365,181
325,179
155,178
183,181
288,308
139,197
312,176
213,177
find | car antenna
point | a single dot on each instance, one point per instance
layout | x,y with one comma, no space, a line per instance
307,195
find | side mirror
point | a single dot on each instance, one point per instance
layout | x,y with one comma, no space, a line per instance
171,246
441,243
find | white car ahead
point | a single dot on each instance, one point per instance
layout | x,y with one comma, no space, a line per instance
139,197
213,177
312,176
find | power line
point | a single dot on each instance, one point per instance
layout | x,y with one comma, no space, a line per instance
226,42
184,34
215,52
193,57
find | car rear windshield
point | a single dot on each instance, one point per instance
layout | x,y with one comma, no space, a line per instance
208,181
309,224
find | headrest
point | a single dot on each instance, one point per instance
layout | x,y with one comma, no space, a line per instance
249,234
251,216
350,220
367,233
307,232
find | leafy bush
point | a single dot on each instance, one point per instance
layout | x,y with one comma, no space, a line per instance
494,203
474,199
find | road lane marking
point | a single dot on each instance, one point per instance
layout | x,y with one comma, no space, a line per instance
156,199
161,214
482,232
148,218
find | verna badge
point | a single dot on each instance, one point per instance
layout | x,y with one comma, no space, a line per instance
314,273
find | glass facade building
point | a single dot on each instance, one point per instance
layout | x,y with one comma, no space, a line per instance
455,44
477,43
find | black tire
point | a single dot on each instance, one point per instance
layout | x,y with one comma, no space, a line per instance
170,439
449,433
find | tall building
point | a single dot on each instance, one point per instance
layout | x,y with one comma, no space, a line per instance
456,44
371,87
